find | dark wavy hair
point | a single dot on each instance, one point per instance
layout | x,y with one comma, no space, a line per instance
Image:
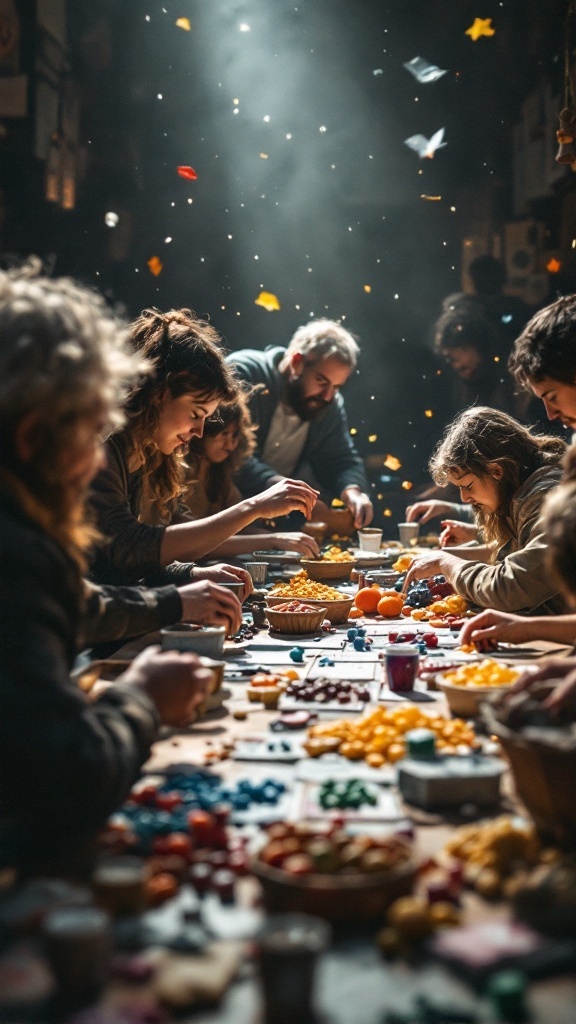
547,345
187,358
220,474
481,436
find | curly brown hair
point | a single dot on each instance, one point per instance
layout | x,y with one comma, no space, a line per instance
481,436
64,357
220,474
187,358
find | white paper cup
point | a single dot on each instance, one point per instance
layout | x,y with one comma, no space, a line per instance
408,533
258,571
369,539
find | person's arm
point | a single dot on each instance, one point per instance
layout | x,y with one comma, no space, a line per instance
494,627
196,539
246,543
62,762
423,511
114,613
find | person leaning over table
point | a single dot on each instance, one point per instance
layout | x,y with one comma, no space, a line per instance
301,418
65,764
212,460
504,472
149,538
559,511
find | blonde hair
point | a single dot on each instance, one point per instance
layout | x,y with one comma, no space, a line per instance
480,437
64,356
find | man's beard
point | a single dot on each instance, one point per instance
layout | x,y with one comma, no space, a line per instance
305,408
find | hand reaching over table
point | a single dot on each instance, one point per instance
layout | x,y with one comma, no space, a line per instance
175,683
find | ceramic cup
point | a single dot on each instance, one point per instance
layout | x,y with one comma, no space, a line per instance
369,539
408,533
289,946
184,636
401,661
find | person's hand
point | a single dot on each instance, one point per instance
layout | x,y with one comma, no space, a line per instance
360,506
454,532
210,605
284,497
296,541
174,682
490,627
563,695
223,573
422,511
546,670
436,563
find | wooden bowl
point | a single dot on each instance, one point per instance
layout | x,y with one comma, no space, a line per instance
320,570
295,622
357,897
336,611
465,701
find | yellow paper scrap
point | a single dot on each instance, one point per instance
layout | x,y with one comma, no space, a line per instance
155,265
391,462
183,23
268,301
480,27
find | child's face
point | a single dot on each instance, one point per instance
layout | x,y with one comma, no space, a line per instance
482,492
220,446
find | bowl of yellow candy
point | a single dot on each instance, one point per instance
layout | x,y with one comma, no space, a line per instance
467,686
334,564
303,588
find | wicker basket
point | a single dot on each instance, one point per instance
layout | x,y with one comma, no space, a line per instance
295,622
544,779
358,897
323,570
465,700
336,611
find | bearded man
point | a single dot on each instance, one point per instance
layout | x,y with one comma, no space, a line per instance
302,427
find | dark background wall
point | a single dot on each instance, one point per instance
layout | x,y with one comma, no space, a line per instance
332,220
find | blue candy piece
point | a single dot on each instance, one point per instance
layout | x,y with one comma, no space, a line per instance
422,648
352,633
359,644
360,631
242,802
323,662
297,654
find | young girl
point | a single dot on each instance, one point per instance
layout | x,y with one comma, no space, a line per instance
504,473
65,765
137,497
213,459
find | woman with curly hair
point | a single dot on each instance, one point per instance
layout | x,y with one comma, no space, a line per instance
65,763
504,472
213,460
138,497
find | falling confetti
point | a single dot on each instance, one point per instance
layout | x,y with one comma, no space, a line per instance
155,265
431,199
187,172
428,414
353,431
268,301
367,288
378,71
372,438
481,27
183,23
263,156
111,219
336,503
553,266
387,513
407,485
391,462
423,71
426,147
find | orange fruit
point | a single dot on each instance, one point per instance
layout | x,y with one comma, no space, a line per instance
367,599
390,606
355,613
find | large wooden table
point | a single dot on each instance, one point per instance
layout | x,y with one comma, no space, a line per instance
355,985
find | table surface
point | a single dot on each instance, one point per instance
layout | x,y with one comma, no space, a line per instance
354,983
